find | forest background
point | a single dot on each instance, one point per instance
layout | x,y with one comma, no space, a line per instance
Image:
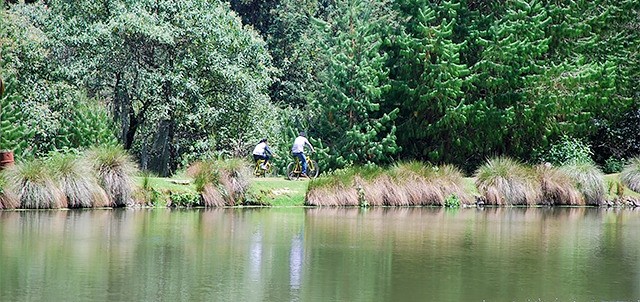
372,82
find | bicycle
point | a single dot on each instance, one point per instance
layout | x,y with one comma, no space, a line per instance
258,171
294,169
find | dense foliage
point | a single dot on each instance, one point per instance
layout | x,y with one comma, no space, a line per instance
371,82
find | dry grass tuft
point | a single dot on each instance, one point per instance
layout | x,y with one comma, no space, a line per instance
630,175
115,170
504,181
405,184
34,186
77,182
589,180
451,182
8,198
337,188
557,187
221,182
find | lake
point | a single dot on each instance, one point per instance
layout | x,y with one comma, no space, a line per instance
321,254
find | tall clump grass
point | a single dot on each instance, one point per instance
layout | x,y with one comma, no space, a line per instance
221,182
503,181
34,185
115,169
77,182
373,186
557,187
630,175
451,181
234,178
334,189
588,179
8,199
405,184
414,184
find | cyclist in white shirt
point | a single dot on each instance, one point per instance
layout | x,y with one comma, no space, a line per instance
298,151
262,151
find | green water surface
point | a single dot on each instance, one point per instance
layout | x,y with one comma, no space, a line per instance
321,254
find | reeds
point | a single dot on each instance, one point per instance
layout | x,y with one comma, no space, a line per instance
504,181
115,170
77,182
630,175
588,179
35,188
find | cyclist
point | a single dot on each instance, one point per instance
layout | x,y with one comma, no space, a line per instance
262,152
298,151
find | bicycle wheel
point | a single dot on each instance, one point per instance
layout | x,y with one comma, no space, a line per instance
312,169
291,171
269,172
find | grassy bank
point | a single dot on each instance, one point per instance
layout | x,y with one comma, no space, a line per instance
278,191
272,191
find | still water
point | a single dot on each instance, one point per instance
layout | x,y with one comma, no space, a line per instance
320,254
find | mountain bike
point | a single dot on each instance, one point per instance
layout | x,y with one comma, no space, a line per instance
258,171
294,169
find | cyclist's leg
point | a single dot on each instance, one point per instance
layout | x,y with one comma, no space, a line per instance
303,162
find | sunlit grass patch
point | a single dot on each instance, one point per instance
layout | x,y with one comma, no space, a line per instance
504,181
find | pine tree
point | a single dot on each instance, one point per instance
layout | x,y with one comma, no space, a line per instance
351,123
428,77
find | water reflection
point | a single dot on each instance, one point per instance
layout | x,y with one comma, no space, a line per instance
317,254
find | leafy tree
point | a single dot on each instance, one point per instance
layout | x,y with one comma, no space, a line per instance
176,75
351,124
289,29
15,135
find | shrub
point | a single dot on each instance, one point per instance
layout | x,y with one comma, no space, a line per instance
630,175
184,199
613,165
504,181
589,180
568,150
77,182
115,170
452,201
35,187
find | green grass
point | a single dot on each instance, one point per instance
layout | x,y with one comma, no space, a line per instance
278,191
174,184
